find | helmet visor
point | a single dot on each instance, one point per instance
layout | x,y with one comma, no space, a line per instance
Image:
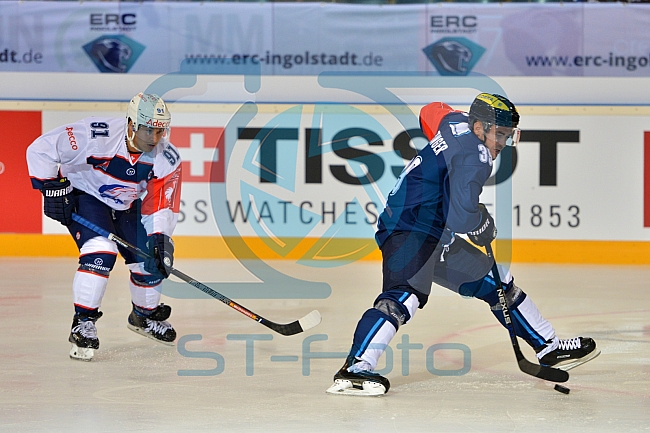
513,138
151,136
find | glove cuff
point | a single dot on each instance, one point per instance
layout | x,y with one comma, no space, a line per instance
57,188
481,228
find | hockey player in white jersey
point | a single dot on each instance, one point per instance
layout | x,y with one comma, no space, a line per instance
123,175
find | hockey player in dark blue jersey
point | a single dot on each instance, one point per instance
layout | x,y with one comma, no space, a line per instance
435,197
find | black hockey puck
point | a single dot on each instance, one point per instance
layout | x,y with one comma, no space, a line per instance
562,389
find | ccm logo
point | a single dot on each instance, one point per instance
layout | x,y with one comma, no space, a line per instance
71,138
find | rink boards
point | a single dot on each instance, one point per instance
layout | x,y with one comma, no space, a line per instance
307,181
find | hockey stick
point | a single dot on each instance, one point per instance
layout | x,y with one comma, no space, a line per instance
543,372
309,321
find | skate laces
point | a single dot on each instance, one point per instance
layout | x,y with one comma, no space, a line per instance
86,329
158,327
571,344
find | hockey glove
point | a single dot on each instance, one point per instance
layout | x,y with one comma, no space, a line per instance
58,201
161,249
486,231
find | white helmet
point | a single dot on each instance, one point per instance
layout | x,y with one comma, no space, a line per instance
148,110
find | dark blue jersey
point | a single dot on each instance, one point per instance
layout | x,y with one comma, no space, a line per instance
441,186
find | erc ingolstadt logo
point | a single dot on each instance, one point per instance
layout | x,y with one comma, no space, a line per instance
113,53
453,56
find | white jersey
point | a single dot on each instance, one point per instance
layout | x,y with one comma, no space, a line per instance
93,155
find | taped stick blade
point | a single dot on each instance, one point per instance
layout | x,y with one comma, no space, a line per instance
310,320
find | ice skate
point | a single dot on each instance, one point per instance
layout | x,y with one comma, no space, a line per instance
569,353
153,325
358,382
83,336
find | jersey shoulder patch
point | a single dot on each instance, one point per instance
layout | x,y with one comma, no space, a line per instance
459,128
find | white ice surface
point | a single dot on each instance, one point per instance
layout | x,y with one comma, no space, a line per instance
137,385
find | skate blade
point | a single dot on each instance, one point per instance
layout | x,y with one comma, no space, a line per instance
368,388
576,362
81,353
146,334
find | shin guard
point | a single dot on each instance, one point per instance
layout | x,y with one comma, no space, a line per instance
528,322
96,260
145,288
379,324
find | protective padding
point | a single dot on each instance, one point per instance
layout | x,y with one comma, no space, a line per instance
145,288
96,259
528,322
399,306
100,263
485,287
379,324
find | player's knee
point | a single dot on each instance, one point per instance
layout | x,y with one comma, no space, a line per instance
99,263
476,289
143,280
514,297
398,305
485,287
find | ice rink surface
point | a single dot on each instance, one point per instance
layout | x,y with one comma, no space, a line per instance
230,374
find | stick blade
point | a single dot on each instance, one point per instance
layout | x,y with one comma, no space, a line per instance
310,320
542,372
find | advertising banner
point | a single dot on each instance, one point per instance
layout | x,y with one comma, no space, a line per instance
447,39
565,183
307,180
21,205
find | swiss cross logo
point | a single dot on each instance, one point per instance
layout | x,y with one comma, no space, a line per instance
200,162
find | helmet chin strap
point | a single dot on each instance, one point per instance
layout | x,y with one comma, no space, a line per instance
131,147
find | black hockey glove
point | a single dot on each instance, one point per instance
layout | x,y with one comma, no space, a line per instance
486,231
161,249
58,201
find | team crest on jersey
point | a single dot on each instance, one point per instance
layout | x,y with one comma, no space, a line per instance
118,193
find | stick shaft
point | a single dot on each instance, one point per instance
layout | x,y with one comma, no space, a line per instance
540,371
288,329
